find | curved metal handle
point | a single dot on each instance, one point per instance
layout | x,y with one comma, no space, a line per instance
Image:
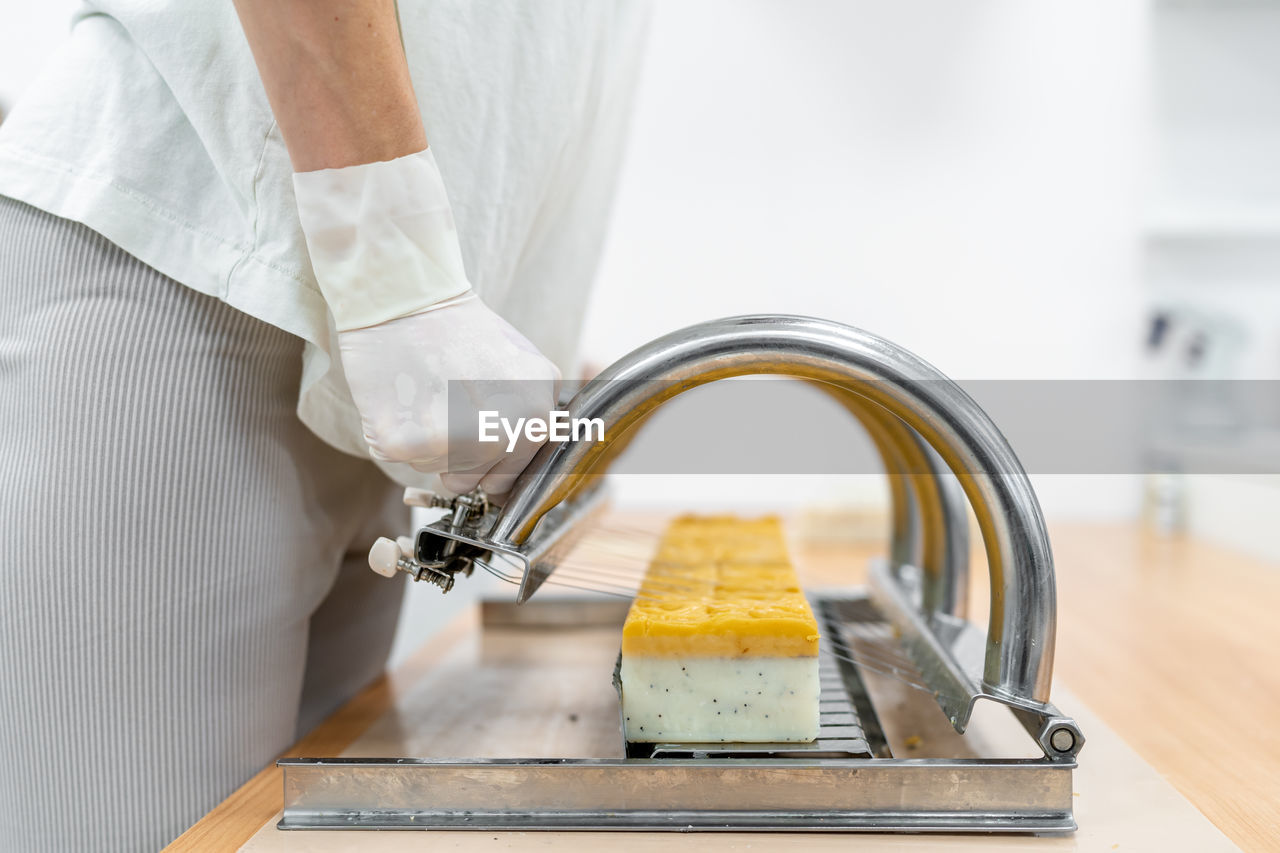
930,526
1020,635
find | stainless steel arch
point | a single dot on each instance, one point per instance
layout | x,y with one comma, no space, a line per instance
930,528
929,523
1020,638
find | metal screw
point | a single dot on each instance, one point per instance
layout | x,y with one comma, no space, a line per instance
1062,740
425,573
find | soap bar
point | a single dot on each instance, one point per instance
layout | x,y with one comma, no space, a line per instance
720,644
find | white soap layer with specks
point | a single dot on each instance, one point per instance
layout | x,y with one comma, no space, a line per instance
713,700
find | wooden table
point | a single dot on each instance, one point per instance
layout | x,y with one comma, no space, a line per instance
1174,643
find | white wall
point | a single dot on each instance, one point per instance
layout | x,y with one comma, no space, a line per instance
962,178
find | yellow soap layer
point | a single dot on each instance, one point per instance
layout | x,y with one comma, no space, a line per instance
721,587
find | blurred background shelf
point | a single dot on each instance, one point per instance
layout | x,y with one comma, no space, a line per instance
1245,222
1250,452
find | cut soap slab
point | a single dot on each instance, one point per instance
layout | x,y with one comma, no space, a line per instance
720,645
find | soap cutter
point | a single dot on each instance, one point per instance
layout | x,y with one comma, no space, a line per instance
940,450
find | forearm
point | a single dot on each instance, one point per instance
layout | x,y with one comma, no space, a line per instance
337,79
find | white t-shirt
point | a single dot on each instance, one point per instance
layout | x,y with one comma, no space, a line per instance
151,126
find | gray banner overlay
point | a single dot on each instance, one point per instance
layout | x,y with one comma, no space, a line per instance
785,426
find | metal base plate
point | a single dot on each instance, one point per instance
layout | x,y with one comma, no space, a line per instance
880,795
713,789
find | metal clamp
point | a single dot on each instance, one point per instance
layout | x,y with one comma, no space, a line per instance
419,559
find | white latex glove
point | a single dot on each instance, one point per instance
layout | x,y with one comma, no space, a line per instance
413,377
385,252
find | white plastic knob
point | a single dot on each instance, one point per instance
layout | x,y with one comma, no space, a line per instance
419,497
406,545
384,555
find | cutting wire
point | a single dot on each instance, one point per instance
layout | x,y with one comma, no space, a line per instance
877,655
619,592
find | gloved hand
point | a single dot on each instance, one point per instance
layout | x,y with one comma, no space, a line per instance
385,253
400,374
